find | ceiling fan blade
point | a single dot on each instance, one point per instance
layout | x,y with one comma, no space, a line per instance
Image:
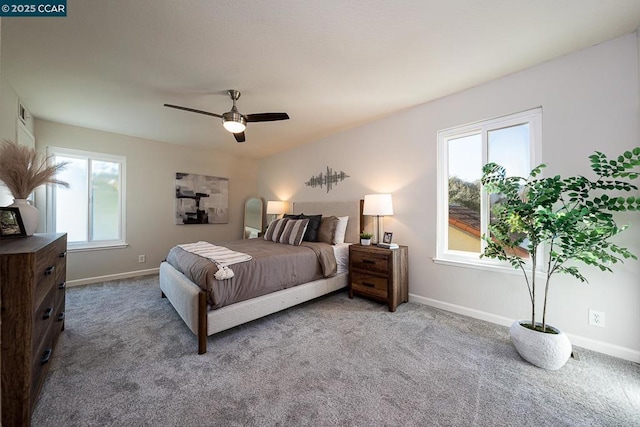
266,117
239,136
193,110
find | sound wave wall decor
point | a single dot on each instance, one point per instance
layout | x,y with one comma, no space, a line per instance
327,180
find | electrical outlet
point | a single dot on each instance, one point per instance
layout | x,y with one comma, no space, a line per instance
142,258
596,318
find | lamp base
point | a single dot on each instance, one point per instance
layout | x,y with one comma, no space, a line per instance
378,227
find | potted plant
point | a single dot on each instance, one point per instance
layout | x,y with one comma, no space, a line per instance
23,170
365,238
561,222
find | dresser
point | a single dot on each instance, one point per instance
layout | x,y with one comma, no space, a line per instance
32,286
380,274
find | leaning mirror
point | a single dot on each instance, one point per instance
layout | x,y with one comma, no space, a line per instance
253,214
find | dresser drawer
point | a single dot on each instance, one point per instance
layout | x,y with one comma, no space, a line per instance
370,262
370,285
60,255
43,317
40,364
58,318
45,274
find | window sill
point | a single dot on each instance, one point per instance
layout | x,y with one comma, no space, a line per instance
86,247
482,266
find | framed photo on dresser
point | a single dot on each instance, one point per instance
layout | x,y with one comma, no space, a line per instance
11,224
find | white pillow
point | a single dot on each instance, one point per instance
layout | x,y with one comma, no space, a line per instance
341,230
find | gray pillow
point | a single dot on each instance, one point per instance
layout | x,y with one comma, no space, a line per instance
327,229
275,229
294,231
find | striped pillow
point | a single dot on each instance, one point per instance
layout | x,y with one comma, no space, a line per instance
275,229
294,231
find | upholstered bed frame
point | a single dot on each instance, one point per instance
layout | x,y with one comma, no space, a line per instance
191,302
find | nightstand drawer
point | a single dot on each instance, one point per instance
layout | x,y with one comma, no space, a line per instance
372,285
372,262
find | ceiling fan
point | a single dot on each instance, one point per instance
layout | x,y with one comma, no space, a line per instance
232,120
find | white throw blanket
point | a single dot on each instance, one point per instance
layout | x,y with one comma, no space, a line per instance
221,256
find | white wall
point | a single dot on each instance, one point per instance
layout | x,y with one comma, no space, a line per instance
8,119
150,191
590,102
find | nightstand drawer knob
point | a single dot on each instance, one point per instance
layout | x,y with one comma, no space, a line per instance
49,270
63,254
46,356
368,261
370,285
47,313
61,317
62,285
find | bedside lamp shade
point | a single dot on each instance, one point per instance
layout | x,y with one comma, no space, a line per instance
276,207
377,205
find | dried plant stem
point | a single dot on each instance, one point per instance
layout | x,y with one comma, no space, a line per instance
23,170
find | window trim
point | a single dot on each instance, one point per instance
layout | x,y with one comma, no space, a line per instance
51,200
472,259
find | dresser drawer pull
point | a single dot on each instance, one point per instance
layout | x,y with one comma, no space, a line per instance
62,285
61,317
369,285
49,270
63,254
368,261
46,356
47,313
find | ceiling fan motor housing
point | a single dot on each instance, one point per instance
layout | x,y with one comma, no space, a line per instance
233,121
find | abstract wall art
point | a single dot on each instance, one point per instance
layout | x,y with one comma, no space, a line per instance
201,199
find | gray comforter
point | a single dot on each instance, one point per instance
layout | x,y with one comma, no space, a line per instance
275,266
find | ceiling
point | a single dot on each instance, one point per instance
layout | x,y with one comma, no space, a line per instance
330,64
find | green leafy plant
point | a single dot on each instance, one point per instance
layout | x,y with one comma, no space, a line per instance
365,235
564,221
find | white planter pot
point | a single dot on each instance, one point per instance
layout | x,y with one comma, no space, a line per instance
28,213
365,242
547,351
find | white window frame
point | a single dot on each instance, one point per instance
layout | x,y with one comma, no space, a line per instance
51,200
472,259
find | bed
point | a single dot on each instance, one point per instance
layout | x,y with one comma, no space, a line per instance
194,305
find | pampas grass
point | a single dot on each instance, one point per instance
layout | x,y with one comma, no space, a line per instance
23,170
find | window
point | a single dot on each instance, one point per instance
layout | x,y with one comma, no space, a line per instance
91,211
464,210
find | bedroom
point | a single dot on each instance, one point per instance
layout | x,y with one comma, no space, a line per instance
590,101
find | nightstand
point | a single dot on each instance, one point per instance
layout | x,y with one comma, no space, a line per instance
380,274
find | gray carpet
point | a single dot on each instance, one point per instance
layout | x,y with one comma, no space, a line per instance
127,359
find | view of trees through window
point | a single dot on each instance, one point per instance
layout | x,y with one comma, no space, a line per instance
464,193
508,146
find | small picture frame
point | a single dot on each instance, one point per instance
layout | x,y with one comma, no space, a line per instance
11,224
387,237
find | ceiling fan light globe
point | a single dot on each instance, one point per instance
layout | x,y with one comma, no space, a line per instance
234,122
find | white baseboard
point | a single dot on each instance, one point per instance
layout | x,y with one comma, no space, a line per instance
588,343
98,279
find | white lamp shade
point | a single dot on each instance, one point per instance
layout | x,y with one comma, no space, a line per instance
377,205
276,207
